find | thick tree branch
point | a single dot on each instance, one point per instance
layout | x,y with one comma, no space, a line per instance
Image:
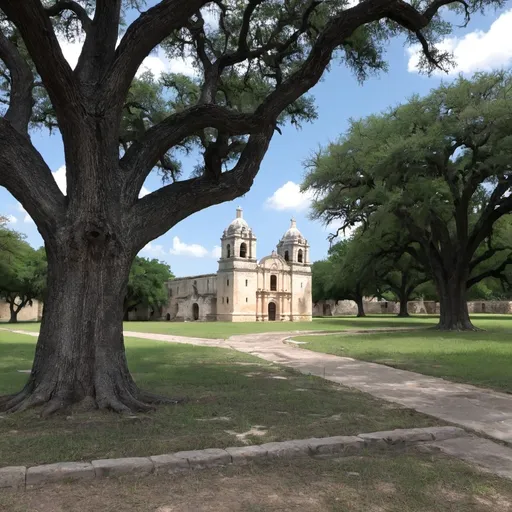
25,174
70,5
156,213
143,155
143,35
100,44
36,29
495,272
21,82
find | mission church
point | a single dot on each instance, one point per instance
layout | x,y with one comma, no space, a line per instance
277,288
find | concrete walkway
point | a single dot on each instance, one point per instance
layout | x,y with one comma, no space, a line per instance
482,411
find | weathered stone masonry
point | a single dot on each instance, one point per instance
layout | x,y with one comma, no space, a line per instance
277,288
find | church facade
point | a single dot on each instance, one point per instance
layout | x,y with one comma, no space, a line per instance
275,288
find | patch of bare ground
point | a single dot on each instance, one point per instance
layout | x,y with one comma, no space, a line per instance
406,482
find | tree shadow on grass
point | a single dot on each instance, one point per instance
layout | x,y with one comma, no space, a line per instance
226,391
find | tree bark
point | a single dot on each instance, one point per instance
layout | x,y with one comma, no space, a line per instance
454,315
14,314
403,313
80,353
360,307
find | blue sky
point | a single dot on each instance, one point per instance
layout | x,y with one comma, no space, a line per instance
191,246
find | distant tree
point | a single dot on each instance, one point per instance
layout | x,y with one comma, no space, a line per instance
441,167
402,276
251,71
146,285
22,272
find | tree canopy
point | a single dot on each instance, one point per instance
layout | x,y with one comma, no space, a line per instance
441,167
147,284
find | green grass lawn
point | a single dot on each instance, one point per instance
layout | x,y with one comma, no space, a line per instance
483,358
406,482
226,391
226,329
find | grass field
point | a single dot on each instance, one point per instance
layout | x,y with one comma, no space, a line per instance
483,358
226,329
408,482
226,391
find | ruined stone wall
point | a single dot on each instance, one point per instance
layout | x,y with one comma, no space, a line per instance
27,314
490,306
372,307
192,297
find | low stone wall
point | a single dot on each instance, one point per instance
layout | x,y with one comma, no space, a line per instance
21,477
27,314
502,307
414,307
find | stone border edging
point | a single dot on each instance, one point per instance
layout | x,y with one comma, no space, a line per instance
21,477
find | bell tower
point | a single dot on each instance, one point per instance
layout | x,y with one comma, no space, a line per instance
293,247
236,278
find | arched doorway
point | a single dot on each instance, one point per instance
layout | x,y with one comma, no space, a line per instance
271,311
168,317
195,311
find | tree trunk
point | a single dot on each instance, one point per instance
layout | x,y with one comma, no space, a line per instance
80,353
360,307
454,315
403,313
14,313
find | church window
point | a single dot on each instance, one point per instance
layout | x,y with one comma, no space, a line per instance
243,250
227,300
286,255
273,283
299,257
228,282
222,300
247,282
228,251
301,285
246,299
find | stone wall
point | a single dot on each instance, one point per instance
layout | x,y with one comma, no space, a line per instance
491,306
27,314
372,307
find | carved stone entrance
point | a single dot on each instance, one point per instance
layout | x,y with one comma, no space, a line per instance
195,311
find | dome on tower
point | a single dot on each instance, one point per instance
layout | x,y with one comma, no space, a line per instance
293,234
238,225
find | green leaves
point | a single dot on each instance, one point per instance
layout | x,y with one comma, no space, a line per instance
146,285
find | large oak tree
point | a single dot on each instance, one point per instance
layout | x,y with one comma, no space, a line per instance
440,166
254,67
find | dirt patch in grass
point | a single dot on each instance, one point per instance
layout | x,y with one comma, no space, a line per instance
409,482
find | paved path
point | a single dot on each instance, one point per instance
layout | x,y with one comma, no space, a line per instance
483,411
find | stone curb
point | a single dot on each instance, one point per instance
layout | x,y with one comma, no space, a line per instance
20,477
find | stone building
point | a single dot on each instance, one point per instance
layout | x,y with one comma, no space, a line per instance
275,288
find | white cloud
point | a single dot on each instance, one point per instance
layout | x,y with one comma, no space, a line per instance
477,50
180,248
144,192
157,62
11,219
60,177
216,252
289,197
71,51
154,250
27,218
333,227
